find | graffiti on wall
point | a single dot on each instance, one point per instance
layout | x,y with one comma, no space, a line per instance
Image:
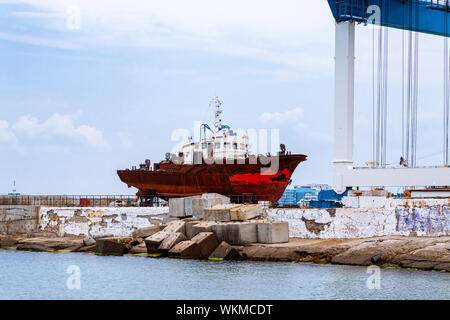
430,219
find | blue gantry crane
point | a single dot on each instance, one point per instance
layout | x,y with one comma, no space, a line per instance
414,16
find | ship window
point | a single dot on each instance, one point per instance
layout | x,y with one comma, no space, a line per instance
204,145
217,145
234,146
187,154
227,145
242,146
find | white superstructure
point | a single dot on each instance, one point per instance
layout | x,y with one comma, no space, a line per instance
221,143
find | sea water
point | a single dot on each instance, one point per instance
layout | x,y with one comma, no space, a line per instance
47,275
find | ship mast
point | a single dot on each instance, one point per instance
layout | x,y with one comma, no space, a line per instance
218,120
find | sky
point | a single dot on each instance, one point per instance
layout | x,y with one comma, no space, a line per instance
89,87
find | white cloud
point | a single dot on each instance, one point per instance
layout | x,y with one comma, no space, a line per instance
284,33
293,115
6,135
58,126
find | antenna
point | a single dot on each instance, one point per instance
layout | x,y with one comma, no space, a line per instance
218,120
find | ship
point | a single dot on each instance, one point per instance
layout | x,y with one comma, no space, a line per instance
220,162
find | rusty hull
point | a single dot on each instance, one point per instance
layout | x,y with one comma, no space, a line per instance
174,180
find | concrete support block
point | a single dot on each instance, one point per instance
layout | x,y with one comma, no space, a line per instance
188,208
176,207
242,233
221,231
225,252
207,243
273,232
246,212
199,204
221,212
190,228
154,241
176,226
171,240
186,249
225,200
204,226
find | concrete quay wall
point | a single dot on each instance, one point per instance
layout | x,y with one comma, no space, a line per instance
366,217
18,219
97,222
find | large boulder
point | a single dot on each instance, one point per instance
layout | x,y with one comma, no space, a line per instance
146,232
88,241
153,242
188,249
33,247
176,226
225,252
171,240
207,243
110,247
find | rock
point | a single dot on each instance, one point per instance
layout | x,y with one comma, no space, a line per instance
188,249
220,212
225,252
266,253
33,247
88,241
375,259
176,226
153,242
109,246
140,248
55,244
245,212
207,243
242,233
273,232
8,241
146,232
171,240
176,207
90,248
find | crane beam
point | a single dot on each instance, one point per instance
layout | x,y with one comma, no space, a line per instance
426,16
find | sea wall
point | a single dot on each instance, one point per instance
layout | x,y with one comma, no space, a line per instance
366,217
95,222
18,219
